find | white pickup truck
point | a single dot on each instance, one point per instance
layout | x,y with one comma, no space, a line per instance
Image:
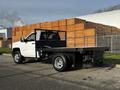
50,45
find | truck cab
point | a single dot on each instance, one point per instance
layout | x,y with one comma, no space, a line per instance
32,45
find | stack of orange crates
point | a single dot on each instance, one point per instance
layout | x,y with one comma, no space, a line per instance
80,33
75,32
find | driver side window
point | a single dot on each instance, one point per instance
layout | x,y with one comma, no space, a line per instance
31,37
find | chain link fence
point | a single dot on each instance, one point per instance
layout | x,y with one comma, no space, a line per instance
112,41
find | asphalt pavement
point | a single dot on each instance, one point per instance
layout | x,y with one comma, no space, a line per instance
41,76
33,76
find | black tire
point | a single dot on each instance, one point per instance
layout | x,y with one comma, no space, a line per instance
60,62
17,57
98,63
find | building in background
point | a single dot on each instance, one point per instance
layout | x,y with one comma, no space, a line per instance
5,36
111,18
5,33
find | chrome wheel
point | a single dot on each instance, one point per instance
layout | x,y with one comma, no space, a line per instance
59,62
17,57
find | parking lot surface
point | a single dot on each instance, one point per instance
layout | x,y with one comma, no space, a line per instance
42,76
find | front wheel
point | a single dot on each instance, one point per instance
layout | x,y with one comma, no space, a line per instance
18,59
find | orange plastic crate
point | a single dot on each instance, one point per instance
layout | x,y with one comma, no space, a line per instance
79,40
72,21
80,26
63,28
90,40
90,32
55,23
63,22
45,24
55,28
70,42
70,34
79,33
70,27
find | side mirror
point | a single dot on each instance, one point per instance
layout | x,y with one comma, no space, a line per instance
23,39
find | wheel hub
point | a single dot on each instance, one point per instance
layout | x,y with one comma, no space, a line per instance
59,62
17,57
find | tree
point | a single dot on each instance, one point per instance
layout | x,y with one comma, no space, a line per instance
7,18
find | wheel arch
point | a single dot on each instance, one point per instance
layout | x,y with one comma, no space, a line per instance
15,49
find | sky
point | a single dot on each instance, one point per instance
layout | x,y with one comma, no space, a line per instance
33,11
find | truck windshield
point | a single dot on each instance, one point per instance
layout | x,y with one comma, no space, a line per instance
31,37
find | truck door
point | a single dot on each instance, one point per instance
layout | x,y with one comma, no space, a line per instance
28,46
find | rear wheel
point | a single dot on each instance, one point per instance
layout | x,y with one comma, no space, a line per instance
18,58
60,62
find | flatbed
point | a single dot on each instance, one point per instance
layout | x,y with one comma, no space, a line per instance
75,49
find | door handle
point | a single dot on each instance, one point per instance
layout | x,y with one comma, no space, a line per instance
33,43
